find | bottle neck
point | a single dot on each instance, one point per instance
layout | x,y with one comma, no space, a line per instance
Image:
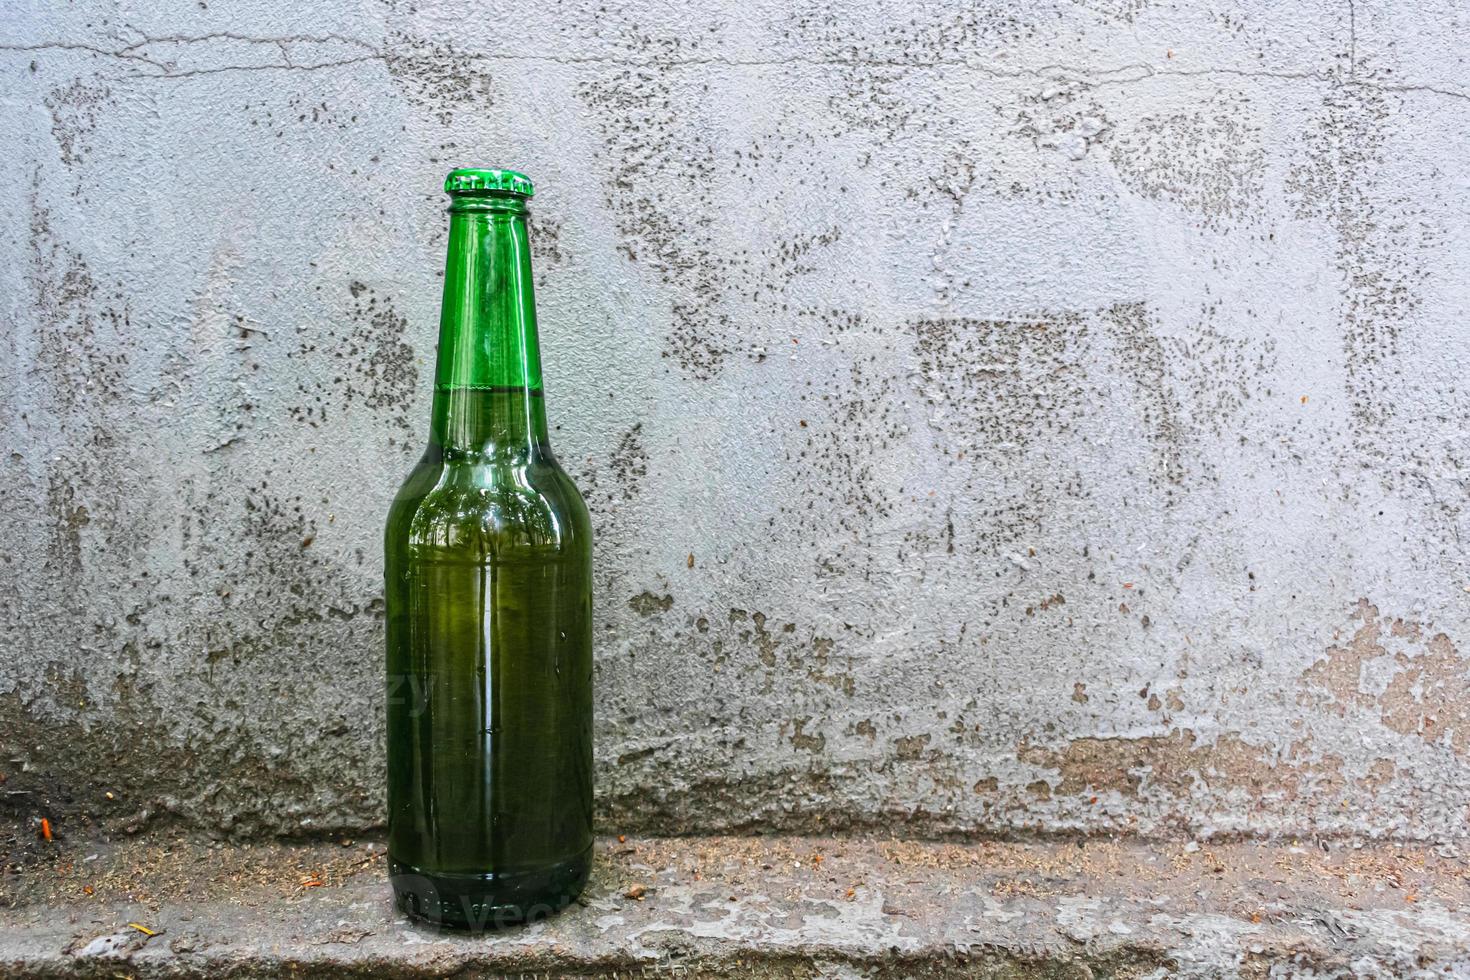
487,383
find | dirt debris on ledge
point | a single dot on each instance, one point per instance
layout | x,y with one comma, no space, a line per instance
760,907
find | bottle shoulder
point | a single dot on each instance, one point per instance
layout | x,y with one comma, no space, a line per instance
461,510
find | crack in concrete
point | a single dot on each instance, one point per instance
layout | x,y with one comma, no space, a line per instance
247,39
1121,75
195,72
93,49
1352,38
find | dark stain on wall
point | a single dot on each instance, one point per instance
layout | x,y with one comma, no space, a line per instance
82,326
437,77
839,438
922,36
647,604
74,112
365,360
70,515
1379,236
1125,11
1142,357
884,73
300,109
1001,390
80,343
660,166
629,462
547,253
1209,161
1004,383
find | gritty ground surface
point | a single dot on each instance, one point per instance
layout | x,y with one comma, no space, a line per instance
747,907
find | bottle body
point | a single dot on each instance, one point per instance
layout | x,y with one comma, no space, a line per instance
488,552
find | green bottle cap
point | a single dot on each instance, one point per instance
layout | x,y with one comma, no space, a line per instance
477,180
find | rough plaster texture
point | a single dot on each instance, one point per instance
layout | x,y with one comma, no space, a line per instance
1026,417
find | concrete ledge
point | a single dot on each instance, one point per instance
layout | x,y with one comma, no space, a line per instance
759,907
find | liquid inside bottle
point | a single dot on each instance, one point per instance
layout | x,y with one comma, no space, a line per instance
488,592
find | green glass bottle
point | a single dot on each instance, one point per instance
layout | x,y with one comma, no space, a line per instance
488,565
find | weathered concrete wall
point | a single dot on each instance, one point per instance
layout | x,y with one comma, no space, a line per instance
1004,417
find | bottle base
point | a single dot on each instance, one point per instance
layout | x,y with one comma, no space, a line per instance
479,902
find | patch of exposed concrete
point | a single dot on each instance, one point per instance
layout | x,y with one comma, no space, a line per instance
1416,682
